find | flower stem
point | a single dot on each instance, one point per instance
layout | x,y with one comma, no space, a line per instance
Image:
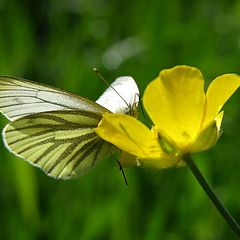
209,191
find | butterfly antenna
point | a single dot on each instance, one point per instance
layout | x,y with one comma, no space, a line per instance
141,107
108,84
120,168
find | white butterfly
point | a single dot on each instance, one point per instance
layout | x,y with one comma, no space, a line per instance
54,130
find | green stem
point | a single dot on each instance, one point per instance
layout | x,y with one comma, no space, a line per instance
209,191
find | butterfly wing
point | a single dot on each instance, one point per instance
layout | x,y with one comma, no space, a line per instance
20,97
122,95
62,143
53,129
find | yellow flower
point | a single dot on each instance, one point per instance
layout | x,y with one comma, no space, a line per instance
186,119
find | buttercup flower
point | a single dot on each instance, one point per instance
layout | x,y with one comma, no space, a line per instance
186,119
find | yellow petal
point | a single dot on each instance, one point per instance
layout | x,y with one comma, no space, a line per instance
219,119
171,157
219,91
130,135
164,162
208,137
175,102
128,160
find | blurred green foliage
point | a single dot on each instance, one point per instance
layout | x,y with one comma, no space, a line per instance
58,42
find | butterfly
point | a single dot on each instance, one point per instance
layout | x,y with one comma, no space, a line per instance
54,129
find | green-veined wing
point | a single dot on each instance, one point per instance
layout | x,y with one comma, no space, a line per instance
62,143
53,129
20,97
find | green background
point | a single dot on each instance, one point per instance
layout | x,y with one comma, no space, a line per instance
58,42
